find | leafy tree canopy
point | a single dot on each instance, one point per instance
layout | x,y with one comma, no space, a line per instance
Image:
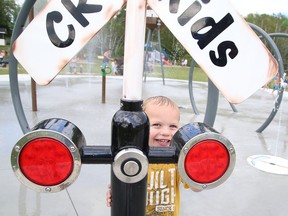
8,14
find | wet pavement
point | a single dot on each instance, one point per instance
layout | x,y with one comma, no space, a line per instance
248,191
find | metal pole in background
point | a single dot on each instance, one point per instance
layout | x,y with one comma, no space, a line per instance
33,83
190,86
160,49
150,31
212,104
279,59
103,88
13,70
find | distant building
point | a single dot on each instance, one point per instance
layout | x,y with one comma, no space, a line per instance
3,32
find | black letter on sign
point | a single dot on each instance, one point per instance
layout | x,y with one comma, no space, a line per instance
82,7
221,61
216,29
52,17
173,6
189,13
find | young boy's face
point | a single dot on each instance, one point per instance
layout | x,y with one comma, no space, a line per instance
164,123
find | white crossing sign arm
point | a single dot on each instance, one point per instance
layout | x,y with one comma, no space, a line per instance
213,33
60,31
221,42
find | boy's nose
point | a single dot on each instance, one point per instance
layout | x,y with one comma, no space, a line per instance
165,132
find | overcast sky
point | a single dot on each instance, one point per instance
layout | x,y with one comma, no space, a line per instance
245,7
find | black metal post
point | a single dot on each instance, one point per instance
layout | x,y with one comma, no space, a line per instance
130,131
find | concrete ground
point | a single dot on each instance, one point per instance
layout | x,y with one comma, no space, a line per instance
248,191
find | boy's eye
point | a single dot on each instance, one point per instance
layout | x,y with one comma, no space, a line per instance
174,126
156,125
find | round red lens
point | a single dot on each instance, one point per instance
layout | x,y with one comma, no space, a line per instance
207,161
46,161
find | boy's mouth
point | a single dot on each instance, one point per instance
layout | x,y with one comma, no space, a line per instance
163,142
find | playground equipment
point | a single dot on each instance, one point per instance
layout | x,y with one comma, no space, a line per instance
213,92
281,74
105,70
153,22
129,153
272,163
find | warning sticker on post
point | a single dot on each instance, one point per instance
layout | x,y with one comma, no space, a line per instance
221,42
60,31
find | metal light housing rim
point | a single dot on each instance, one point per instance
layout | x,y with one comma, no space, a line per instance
44,133
192,142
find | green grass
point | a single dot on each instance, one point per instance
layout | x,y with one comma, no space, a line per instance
170,72
6,70
178,72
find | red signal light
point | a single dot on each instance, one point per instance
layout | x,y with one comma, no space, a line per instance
206,158
207,161
47,159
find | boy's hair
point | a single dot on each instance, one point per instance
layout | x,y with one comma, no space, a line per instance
160,100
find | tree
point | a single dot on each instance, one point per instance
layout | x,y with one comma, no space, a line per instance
172,46
276,23
111,36
8,14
